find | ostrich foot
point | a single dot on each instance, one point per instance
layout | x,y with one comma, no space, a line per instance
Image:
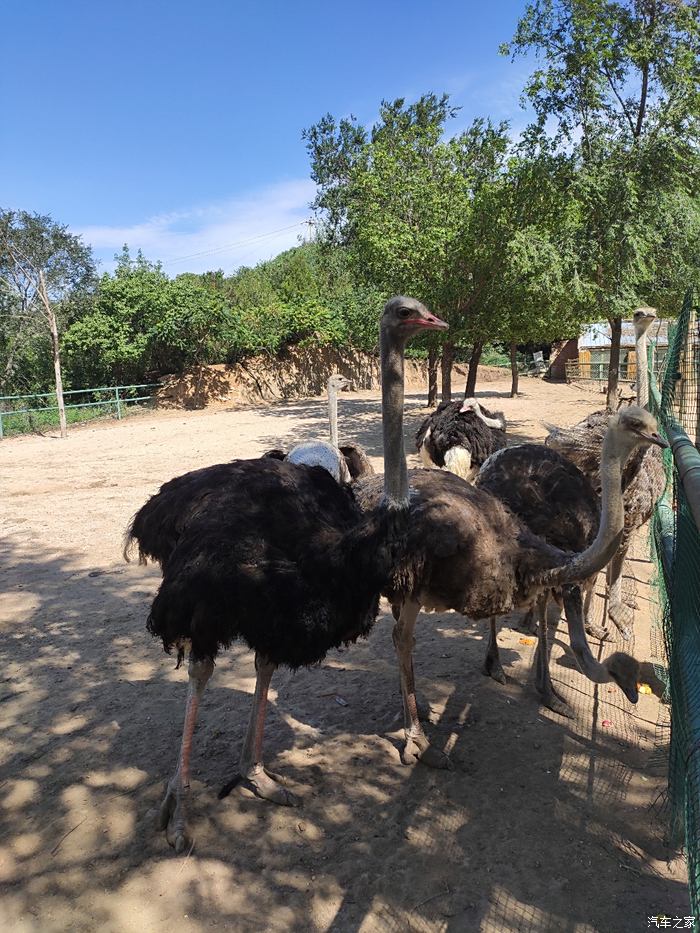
493,668
555,701
173,815
418,748
263,784
623,618
597,631
528,624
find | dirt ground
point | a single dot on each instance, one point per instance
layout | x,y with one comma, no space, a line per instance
544,823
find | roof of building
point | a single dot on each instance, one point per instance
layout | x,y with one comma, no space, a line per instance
598,335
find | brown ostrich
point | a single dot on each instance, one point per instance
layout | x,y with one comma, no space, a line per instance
558,503
468,552
277,554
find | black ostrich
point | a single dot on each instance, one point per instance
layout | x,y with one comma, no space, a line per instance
278,554
558,503
460,436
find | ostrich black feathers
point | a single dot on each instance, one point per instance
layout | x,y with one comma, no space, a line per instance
547,492
448,427
275,553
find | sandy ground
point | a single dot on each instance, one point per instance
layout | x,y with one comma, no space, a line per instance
544,824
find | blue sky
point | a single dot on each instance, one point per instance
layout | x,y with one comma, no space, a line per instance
176,126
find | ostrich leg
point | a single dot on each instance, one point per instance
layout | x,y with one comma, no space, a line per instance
492,662
416,744
543,681
173,810
251,770
620,614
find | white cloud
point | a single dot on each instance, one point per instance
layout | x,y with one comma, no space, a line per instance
238,231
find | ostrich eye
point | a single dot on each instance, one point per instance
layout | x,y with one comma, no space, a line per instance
404,313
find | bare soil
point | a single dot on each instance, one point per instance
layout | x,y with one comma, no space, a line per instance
544,823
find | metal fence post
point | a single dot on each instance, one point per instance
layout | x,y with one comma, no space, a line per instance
0,425
119,407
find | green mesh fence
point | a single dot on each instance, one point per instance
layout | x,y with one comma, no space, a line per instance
676,547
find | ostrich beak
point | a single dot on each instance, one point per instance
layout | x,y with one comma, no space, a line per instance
430,321
654,438
632,693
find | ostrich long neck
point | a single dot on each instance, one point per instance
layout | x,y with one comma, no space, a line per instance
612,519
642,368
333,413
395,471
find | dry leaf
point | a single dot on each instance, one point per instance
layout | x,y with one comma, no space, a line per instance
526,641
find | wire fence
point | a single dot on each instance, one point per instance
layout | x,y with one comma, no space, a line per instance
676,549
21,414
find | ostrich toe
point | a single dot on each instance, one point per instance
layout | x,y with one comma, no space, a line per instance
173,815
268,786
492,668
555,701
623,617
418,748
597,631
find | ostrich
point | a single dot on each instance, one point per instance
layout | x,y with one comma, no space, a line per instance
459,436
345,463
558,503
278,554
643,480
355,458
468,552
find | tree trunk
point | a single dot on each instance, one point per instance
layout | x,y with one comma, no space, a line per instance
53,327
513,372
473,367
614,367
448,355
432,376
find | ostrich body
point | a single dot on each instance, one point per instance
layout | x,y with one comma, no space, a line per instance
558,503
278,554
468,552
643,479
460,436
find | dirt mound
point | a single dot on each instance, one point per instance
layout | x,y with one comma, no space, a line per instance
298,373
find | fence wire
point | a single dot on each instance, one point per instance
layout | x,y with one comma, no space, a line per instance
676,549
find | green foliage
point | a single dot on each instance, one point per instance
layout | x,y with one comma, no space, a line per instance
142,322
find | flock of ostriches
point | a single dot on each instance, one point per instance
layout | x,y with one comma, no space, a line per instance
291,552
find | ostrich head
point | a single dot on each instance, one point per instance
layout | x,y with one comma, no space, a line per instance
635,427
625,671
643,318
497,420
404,317
338,383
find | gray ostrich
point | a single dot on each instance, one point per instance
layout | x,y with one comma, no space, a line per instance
643,479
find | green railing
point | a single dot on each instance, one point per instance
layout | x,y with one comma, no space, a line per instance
23,413
676,547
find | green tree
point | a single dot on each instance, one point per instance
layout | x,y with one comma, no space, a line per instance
41,265
141,322
620,81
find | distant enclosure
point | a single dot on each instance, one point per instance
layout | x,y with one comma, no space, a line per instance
20,414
